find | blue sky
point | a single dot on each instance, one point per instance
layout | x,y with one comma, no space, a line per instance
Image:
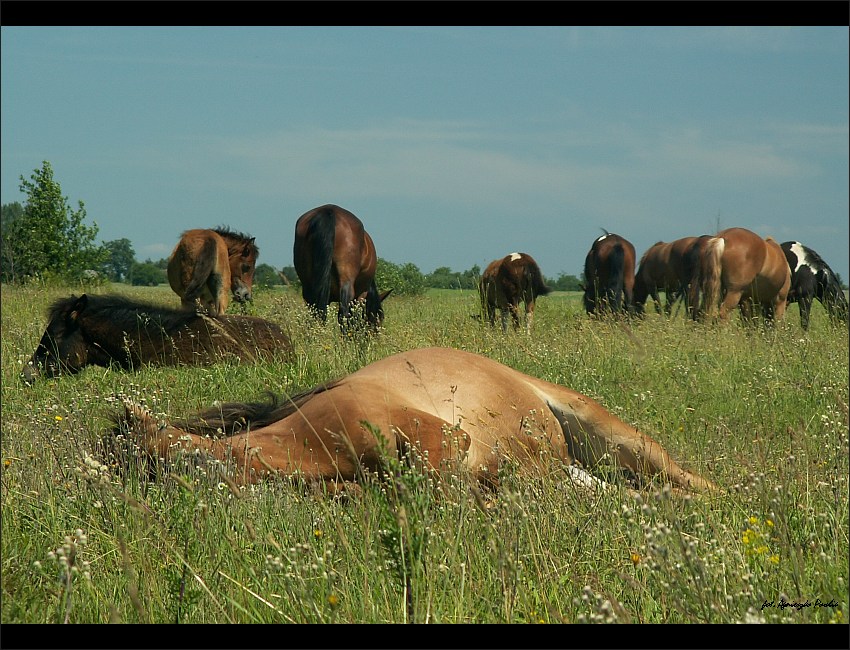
454,145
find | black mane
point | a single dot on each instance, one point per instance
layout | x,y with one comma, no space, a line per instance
240,237
125,313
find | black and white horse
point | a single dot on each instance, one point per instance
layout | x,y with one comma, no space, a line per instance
812,278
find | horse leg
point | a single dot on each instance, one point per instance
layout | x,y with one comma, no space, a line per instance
529,316
504,315
805,303
514,307
346,297
728,304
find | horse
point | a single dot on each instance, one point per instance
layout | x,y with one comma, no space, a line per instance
335,260
655,272
812,278
508,281
737,268
609,275
666,265
106,330
446,410
207,265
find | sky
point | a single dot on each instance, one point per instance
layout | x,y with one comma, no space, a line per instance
454,145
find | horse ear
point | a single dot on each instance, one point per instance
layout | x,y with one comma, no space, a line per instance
385,294
79,306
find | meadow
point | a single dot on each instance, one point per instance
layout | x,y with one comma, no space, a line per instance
761,412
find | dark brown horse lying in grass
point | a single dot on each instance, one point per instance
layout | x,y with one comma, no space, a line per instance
455,408
107,330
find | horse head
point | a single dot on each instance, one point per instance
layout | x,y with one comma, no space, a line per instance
62,348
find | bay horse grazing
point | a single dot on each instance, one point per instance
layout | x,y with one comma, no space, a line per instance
454,409
335,260
107,329
208,265
508,281
812,278
656,272
665,265
737,268
609,275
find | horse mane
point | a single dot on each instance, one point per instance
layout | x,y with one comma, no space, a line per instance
239,237
231,417
125,313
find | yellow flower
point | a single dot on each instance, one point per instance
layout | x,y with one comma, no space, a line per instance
769,522
773,559
58,418
333,600
7,462
635,558
753,520
318,534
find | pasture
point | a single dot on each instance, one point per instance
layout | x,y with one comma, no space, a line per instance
761,412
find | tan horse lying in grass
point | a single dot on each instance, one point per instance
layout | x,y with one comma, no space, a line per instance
455,408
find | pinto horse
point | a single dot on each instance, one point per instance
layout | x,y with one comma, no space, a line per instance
812,278
609,275
107,330
335,260
450,408
737,268
208,265
508,281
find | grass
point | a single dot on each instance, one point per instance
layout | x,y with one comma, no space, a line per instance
761,412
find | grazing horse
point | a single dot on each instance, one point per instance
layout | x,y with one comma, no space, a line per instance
207,265
335,260
665,266
106,330
508,281
454,409
656,272
609,275
737,268
812,278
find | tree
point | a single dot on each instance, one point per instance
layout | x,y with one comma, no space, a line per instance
49,239
146,274
405,279
120,260
9,213
266,276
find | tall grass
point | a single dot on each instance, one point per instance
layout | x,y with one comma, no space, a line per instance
761,412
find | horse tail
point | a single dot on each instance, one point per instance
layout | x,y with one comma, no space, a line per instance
616,275
710,269
534,280
321,232
203,269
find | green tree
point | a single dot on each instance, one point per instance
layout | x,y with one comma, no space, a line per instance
146,274
405,279
49,239
120,260
9,213
266,276
565,283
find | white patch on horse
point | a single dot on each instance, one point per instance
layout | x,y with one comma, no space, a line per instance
802,260
601,237
515,256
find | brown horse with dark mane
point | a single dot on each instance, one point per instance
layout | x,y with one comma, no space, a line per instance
207,265
737,268
508,281
335,260
453,410
609,276
115,330
664,266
